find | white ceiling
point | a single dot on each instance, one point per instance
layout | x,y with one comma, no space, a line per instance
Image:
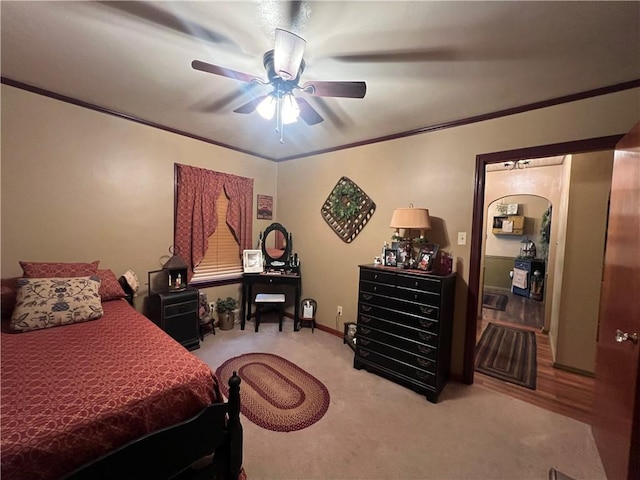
425,63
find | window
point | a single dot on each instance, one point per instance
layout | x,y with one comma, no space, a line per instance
223,258
212,223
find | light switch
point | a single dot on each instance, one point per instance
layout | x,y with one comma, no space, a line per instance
462,238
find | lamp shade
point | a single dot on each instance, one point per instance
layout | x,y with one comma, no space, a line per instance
288,52
414,218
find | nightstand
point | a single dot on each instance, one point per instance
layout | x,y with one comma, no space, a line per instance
177,314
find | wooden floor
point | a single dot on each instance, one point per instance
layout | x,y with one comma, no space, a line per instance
557,390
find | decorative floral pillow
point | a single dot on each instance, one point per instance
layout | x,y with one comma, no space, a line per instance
50,302
58,269
110,288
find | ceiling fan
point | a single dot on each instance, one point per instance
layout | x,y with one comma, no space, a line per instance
284,65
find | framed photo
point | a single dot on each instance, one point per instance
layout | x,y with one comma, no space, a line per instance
427,256
252,261
390,258
265,207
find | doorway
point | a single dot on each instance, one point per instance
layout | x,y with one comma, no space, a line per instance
476,264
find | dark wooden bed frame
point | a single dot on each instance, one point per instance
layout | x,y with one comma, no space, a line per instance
169,453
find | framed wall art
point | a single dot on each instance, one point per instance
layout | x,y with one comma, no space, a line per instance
265,207
252,261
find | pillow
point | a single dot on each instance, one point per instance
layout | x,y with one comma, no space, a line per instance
8,292
110,288
50,302
57,269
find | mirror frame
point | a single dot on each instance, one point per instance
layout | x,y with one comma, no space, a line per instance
287,249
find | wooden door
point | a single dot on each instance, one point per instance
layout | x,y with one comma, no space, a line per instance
616,426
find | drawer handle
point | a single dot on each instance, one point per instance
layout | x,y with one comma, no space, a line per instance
426,310
364,341
425,323
366,331
366,308
422,375
375,277
375,289
367,297
425,350
424,336
365,319
423,363
416,284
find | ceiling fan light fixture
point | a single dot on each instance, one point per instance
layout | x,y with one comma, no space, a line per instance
287,55
267,107
290,109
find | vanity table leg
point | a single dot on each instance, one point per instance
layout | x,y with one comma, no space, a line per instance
296,310
245,305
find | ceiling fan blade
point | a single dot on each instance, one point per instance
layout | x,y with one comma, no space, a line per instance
336,89
225,72
287,54
150,12
211,106
250,106
308,113
439,54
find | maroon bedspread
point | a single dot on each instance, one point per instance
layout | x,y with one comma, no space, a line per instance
72,393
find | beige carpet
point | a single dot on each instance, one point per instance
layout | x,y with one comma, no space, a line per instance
375,429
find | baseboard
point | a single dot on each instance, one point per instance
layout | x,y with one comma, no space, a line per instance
578,371
329,330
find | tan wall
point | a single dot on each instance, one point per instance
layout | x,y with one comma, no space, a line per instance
530,206
584,255
110,182
433,170
79,185
559,245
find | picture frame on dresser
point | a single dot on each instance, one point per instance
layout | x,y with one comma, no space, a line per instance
390,257
427,256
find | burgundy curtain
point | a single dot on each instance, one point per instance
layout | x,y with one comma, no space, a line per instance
196,217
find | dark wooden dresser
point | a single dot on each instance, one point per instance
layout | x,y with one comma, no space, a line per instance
404,328
177,314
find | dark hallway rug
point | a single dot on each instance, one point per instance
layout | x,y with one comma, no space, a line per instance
495,301
508,354
275,393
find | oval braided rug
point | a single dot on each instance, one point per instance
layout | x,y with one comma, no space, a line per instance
275,393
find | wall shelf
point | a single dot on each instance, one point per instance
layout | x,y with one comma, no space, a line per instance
508,225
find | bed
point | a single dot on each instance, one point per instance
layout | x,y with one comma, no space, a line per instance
113,397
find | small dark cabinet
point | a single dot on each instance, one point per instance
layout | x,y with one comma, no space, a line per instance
404,327
177,314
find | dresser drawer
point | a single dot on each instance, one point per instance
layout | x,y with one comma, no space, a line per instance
418,283
378,276
372,300
423,323
410,372
369,338
378,288
397,329
180,308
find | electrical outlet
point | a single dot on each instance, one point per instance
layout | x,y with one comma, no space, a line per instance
212,306
339,309
462,238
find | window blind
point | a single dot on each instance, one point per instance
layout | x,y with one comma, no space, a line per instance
222,259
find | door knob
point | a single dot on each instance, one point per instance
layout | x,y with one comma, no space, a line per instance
625,337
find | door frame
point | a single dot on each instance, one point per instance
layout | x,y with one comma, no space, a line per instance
482,160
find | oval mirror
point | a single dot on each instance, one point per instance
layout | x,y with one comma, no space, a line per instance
276,245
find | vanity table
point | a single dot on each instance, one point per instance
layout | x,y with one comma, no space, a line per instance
281,269
269,278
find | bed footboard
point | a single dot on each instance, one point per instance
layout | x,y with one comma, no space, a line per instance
169,452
